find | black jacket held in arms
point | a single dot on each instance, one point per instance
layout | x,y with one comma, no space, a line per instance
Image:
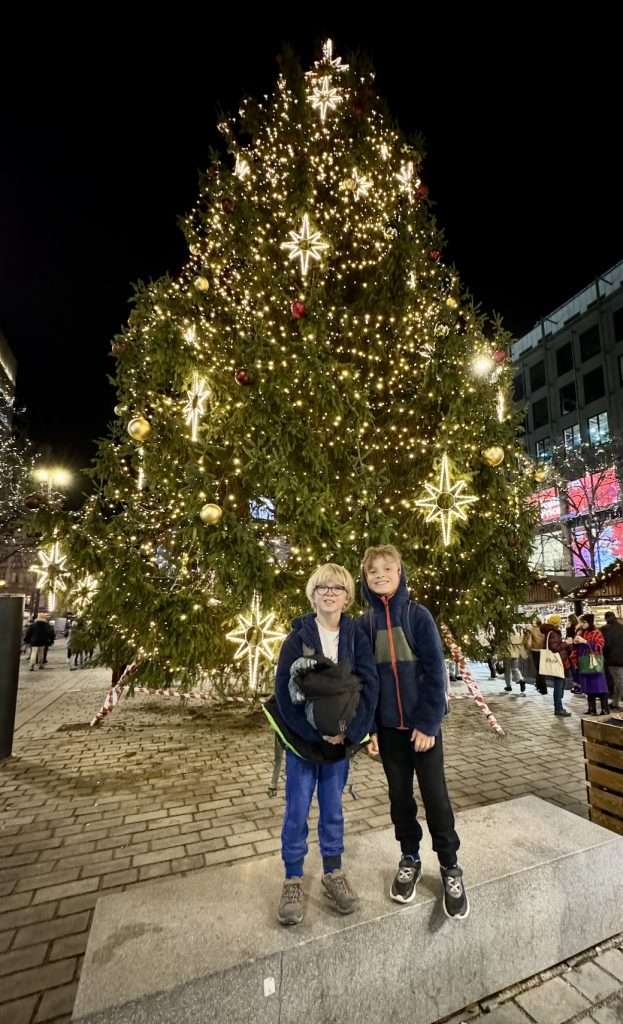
333,690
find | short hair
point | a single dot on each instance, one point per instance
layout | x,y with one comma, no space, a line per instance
610,617
589,618
327,574
382,551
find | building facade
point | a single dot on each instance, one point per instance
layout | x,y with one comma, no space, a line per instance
569,377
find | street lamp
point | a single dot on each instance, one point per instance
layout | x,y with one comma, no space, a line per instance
53,476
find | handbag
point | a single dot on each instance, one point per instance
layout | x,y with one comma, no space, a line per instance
550,663
591,664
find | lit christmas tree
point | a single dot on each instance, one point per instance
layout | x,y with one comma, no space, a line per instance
312,381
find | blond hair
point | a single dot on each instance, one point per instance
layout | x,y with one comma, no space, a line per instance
327,574
382,551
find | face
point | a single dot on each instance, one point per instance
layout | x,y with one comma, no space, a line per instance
383,576
330,596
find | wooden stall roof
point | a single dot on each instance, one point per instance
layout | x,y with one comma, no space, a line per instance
606,585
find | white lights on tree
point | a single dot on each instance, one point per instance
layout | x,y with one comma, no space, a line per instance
324,97
446,502
140,480
51,572
305,245
84,592
255,638
362,185
242,169
195,405
406,178
501,406
483,364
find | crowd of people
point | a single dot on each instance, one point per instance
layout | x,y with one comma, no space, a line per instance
40,635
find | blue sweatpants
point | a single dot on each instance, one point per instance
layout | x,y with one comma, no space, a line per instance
302,777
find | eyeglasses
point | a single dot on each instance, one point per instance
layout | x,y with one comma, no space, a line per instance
337,589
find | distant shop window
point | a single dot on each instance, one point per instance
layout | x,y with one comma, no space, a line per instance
568,398
537,376
572,437
540,414
590,344
564,359
594,387
598,428
617,320
543,449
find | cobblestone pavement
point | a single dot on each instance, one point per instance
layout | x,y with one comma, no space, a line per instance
161,789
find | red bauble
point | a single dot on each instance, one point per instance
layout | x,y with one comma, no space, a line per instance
499,356
298,309
435,254
228,205
242,376
421,191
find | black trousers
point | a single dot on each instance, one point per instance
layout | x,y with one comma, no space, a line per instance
400,762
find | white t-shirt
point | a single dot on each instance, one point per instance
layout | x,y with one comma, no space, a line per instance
329,638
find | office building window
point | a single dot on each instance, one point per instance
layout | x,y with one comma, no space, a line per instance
548,553
572,437
518,388
564,359
598,429
540,414
617,320
594,387
537,376
568,398
590,344
543,449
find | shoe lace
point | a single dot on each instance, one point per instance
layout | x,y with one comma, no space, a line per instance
340,883
454,885
293,892
406,874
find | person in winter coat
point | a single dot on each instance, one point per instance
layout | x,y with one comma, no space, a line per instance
412,703
552,641
590,641
38,638
511,657
613,657
317,761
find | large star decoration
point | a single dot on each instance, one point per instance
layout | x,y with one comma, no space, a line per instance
255,638
52,570
446,501
325,97
305,245
84,592
335,63
195,405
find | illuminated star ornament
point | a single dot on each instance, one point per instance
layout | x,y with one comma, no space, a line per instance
406,179
446,501
305,245
362,185
84,592
255,637
242,169
328,60
325,97
52,571
195,404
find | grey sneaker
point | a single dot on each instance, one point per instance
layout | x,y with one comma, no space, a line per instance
291,904
338,890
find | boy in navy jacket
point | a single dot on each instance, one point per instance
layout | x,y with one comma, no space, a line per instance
412,671
326,631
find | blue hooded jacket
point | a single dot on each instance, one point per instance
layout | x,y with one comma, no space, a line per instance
352,645
413,682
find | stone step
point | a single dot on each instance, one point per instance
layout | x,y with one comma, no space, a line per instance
544,884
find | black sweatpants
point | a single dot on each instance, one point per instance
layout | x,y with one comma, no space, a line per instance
400,761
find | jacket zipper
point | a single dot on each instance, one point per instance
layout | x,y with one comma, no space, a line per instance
394,659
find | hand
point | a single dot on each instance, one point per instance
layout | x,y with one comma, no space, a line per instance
334,739
421,741
373,746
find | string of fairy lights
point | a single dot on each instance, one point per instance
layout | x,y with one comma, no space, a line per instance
281,344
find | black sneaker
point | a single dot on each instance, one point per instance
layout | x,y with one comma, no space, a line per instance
407,877
455,901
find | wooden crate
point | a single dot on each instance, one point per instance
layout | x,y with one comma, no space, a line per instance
603,764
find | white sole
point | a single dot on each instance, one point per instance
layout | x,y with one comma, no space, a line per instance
401,899
457,917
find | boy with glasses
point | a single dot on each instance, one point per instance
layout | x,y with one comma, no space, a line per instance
326,639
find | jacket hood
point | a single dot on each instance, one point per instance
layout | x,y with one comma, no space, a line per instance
305,626
401,595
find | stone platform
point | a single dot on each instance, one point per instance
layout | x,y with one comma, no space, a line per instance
543,885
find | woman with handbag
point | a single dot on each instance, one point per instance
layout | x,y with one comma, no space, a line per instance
551,668
588,660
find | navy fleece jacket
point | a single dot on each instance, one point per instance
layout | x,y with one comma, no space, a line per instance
352,645
413,682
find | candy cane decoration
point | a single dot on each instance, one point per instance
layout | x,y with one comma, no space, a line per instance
114,695
470,682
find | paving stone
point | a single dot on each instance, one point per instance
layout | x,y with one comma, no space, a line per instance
553,1002
27,916
70,945
592,982
610,1014
56,1001
38,979
18,1011
20,959
56,929
59,892
611,961
506,1013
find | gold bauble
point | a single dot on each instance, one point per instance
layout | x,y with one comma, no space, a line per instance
120,409
540,473
139,428
494,456
202,284
211,514
451,302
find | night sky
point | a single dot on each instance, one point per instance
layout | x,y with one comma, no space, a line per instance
105,129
